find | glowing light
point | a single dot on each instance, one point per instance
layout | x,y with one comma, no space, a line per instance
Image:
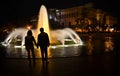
57,46
28,27
112,29
59,35
43,21
109,45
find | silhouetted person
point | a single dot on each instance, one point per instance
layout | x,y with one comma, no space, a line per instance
43,42
29,44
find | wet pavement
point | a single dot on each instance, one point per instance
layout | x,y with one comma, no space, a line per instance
98,57
97,65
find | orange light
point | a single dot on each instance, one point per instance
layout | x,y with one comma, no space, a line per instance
28,27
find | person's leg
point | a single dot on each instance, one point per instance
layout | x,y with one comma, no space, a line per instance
33,54
42,54
46,55
28,54
28,51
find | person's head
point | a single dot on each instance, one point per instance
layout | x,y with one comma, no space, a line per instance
29,32
41,29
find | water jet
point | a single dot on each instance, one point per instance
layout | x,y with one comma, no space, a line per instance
59,35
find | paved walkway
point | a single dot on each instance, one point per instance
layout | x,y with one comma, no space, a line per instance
99,65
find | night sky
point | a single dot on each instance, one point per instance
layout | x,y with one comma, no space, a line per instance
12,9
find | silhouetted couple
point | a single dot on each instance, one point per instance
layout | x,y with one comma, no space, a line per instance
42,42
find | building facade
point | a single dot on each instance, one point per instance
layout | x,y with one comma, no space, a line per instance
83,17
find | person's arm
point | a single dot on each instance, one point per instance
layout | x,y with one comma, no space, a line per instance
35,42
48,40
38,40
25,42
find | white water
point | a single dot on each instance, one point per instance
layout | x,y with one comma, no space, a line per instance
57,35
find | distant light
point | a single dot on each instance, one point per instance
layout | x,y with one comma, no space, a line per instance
50,16
28,27
112,29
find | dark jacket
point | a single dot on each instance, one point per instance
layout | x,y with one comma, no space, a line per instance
43,39
29,41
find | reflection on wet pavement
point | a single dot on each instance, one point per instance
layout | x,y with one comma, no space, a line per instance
91,45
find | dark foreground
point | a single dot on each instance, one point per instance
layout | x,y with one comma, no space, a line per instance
92,62
100,65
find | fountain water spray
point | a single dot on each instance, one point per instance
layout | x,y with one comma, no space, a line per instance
43,20
55,35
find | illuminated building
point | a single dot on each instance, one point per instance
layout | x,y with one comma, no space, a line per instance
84,17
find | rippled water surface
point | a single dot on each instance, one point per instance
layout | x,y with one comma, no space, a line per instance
93,44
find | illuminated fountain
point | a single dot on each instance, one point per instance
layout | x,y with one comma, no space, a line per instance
59,35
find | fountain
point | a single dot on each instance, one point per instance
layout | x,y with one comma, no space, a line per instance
59,35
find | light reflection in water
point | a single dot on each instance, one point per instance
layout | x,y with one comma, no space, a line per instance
59,51
99,45
109,45
90,45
